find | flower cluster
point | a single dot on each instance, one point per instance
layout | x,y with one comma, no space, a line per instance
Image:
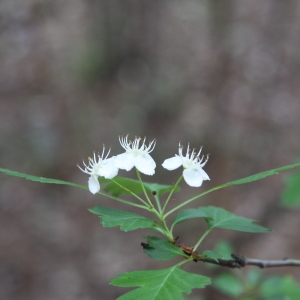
134,156
137,155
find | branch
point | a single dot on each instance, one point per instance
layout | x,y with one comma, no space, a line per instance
237,261
240,261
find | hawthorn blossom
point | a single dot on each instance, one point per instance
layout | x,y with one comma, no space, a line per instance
136,156
193,173
99,166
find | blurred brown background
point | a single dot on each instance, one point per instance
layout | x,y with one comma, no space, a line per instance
76,74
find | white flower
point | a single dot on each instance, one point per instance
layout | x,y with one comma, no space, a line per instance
102,167
135,156
193,173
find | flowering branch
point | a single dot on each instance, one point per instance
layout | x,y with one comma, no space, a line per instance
171,281
240,261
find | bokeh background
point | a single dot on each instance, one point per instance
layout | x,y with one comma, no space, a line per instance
76,74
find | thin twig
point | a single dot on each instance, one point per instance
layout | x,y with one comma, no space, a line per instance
239,261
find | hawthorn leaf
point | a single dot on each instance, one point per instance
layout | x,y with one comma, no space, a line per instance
225,248
133,186
188,214
221,218
160,249
159,189
163,284
127,221
212,254
129,186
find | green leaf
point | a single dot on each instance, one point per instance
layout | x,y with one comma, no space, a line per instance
253,278
188,214
280,288
127,221
291,194
213,255
221,218
225,248
159,189
160,249
262,175
40,179
229,285
164,284
133,186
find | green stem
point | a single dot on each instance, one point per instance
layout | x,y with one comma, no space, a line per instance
154,211
172,227
147,206
143,187
158,203
207,231
129,191
184,261
164,229
195,197
163,225
124,201
171,193
169,234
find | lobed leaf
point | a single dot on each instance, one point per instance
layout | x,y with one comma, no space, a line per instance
160,189
212,254
127,221
188,214
164,284
133,186
225,248
221,218
160,249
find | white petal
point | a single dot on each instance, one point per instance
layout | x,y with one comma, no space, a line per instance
108,170
172,163
124,161
94,185
204,174
193,177
145,164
